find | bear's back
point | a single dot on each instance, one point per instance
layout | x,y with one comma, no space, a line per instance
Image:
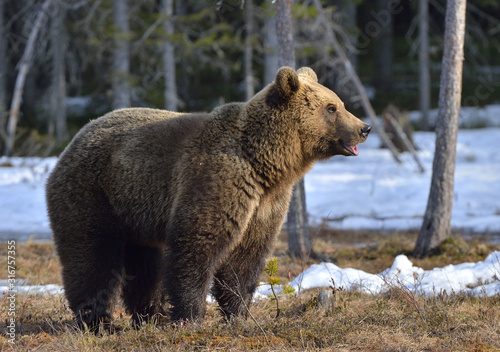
127,156
126,132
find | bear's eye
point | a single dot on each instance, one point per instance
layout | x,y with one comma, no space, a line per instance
331,109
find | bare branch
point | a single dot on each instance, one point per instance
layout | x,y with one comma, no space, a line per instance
357,82
25,64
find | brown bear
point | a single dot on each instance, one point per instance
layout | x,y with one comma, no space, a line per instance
174,205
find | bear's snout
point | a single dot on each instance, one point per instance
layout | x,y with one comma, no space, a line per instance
365,131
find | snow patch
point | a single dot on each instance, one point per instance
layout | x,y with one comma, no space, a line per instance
481,278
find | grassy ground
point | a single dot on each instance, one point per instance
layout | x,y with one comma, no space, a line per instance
394,321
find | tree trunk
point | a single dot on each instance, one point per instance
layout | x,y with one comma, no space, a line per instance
270,50
436,225
299,237
24,66
58,88
284,33
121,55
3,67
423,64
384,44
181,72
249,84
299,234
169,57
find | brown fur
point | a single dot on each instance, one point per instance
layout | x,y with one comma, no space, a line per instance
145,196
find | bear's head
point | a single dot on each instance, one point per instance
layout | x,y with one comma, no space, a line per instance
324,125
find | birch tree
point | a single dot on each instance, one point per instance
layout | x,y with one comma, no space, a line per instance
3,65
169,57
249,81
299,237
58,80
24,67
270,49
384,45
423,64
121,55
437,219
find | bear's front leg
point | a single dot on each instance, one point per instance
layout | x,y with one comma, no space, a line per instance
236,279
209,218
191,264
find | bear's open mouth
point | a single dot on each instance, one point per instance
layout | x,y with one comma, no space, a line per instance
353,149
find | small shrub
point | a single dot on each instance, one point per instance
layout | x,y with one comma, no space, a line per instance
271,270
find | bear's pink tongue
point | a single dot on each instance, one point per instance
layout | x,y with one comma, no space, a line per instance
354,149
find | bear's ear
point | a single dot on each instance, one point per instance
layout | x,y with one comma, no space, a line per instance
286,84
308,73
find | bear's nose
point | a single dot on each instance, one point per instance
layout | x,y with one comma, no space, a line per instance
365,131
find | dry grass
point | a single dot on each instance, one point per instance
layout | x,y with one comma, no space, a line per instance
36,262
393,321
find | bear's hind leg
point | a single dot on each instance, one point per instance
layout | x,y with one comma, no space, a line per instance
92,271
141,295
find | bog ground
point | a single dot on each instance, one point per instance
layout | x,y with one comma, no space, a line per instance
395,319
366,211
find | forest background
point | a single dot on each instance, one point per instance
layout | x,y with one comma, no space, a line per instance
91,56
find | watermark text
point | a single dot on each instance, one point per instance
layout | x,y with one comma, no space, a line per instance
11,293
